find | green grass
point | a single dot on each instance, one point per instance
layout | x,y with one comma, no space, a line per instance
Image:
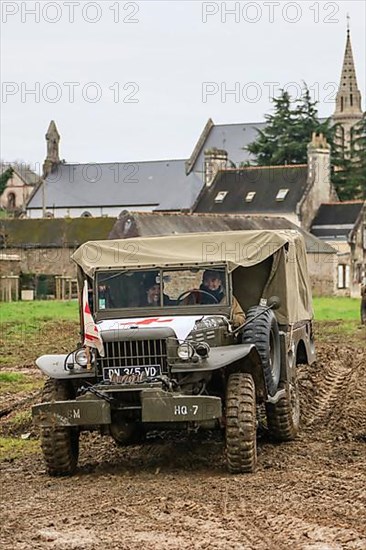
10,377
16,382
39,311
335,308
12,447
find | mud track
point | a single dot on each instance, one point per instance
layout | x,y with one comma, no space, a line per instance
174,492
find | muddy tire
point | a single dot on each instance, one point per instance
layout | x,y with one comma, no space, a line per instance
363,308
263,333
283,417
241,424
60,446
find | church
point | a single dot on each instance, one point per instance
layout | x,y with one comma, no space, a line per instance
212,181
75,190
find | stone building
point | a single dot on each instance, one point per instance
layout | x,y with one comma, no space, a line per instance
343,225
19,187
294,192
43,250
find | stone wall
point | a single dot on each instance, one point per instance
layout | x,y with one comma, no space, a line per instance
323,273
46,261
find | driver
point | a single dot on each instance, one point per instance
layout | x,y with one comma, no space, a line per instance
212,284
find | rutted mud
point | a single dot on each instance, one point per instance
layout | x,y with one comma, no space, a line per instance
174,491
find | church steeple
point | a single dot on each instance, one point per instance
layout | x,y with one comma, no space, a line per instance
53,157
348,101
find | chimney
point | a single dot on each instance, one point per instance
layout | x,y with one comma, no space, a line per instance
53,156
215,160
319,167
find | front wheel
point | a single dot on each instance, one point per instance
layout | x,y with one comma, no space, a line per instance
60,445
241,424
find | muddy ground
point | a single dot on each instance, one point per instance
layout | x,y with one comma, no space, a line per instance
174,492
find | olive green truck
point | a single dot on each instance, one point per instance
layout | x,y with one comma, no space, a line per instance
193,331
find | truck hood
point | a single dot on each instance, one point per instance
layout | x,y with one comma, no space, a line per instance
182,325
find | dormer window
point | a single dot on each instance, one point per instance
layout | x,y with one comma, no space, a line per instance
220,197
250,196
281,195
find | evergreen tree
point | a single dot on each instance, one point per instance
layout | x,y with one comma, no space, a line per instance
358,169
4,178
288,131
349,166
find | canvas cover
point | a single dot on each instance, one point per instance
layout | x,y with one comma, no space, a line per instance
288,278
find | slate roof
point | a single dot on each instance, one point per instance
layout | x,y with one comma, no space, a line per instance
161,185
337,220
140,224
233,138
264,181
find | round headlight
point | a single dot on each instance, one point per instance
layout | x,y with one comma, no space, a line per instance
81,358
185,351
202,349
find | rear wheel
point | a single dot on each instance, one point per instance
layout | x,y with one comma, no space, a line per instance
241,423
263,332
283,417
60,445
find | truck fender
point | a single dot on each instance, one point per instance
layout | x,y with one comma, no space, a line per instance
221,357
53,367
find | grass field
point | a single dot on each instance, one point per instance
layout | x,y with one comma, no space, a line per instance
336,308
326,309
38,310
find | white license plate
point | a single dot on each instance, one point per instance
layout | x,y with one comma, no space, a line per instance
120,375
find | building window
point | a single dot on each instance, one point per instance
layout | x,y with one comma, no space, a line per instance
220,197
351,99
86,214
11,201
250,196
342,103
343,276
281,195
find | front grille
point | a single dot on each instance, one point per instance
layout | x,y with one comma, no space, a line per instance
135,353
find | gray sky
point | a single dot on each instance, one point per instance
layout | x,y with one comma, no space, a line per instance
148,75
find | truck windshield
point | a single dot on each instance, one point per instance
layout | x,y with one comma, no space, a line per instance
204,286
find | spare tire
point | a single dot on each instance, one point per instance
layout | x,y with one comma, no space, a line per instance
262,331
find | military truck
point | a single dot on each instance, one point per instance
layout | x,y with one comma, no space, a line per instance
165,343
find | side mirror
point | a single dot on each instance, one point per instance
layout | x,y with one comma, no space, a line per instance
274,302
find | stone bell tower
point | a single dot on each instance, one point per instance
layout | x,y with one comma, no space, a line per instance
53,157
348,101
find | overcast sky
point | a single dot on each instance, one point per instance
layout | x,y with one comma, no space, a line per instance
147,75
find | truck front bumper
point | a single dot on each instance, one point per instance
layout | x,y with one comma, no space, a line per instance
156,406
88,412
161,406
